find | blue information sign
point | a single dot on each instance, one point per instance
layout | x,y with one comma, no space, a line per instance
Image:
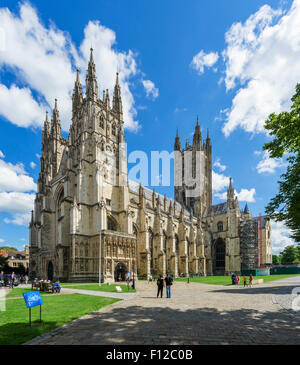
32,299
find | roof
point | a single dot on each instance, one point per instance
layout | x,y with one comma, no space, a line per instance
217,209
134,187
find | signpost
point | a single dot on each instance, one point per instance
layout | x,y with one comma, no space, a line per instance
33,299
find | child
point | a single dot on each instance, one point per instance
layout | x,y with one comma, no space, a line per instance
250,280
238,280
245,281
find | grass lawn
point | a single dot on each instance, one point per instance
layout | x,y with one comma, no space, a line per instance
95,286
226,280
18,292
56,311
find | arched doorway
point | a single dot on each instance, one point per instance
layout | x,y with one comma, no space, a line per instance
120,272
220,252
50,271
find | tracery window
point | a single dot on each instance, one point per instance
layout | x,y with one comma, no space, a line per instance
220,226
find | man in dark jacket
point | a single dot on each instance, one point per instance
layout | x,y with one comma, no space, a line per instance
1,279
169,282
160,286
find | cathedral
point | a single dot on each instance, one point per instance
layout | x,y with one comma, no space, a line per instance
90,219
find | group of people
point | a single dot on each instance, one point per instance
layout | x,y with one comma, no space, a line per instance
236,280
161,282
12,279
56,284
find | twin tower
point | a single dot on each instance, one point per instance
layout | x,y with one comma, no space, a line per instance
193,173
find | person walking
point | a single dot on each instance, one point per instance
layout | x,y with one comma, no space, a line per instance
160,286
150,279
1,279
12,279
250,280
245,281
169,282
26,279
238,280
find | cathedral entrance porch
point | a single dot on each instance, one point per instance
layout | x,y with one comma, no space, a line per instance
120,272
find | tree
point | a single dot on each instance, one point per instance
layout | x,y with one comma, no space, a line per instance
285,127
275,259
3,263
289,255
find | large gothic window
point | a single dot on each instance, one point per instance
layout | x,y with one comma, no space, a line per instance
220,253
177,244
111,224
151,249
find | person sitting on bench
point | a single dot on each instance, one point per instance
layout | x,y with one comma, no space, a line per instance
56,287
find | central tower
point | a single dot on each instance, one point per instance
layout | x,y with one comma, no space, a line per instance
193,173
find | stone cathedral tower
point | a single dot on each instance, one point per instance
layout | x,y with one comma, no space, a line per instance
87,212
196,161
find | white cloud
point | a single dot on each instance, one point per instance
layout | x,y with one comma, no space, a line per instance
150,88
1,154
280,237
32,164
37,155
202,60
244,195
268,165
219,181
17,192
262,59
219,165
15,178
2,240
44,59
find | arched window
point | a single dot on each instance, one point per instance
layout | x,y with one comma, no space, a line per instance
220,226
113,130
151,249
111,224
177,244
220,254
101,124
59,203
165,242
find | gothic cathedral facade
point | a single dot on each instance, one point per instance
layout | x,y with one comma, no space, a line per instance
88,216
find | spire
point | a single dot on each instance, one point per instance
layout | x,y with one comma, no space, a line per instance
55,122
117,100
246,209
107,101
230,191
46,124
91,80
177,144
77,92
197,136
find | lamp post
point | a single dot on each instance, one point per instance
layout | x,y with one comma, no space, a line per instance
133,268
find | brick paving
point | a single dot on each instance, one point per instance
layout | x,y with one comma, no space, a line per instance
196,314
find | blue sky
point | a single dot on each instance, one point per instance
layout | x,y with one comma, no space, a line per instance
231,63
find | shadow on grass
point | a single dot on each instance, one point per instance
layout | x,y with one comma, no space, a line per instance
136,325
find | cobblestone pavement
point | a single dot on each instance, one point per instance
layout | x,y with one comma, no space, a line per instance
196,314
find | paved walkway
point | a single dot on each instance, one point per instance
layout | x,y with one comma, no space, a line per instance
196,314
106,294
